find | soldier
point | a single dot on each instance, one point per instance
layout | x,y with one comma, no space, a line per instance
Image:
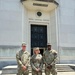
49,59
36,62
23,58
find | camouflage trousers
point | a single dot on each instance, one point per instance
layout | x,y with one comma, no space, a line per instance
52,71
36,73
21,72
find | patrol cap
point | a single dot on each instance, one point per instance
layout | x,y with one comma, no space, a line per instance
48,44
36,48
23,44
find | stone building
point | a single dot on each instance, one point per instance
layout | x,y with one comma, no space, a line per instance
37,22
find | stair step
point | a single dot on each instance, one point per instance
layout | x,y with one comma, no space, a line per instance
9,70
64,68
13,69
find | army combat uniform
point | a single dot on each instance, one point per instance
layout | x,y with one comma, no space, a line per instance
49,59
36,62
23,58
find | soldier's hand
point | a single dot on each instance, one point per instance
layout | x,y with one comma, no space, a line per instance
24,67
49,67
38,69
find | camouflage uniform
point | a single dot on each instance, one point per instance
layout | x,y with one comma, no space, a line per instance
36,62
23,59
49,58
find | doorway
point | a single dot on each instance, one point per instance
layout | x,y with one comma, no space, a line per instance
38,37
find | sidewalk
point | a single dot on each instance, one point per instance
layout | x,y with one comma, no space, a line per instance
66,73
62,73
59,73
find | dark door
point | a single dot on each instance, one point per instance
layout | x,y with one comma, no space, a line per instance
38,36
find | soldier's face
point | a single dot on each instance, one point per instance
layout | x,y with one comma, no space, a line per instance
49,47
23,48
37,51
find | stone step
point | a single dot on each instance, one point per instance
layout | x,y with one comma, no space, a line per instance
13,69
64,68
9,70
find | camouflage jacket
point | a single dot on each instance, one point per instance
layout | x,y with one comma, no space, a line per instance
36,61
50,57
23,58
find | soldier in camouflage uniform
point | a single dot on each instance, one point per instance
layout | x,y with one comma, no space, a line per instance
49,59
36,62
23,58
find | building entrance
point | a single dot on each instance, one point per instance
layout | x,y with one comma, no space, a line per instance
38,37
